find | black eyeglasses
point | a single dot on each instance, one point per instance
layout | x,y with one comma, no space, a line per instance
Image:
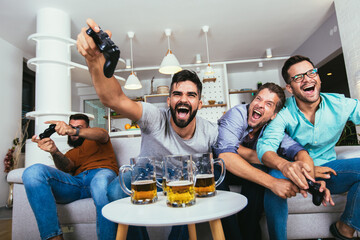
299,77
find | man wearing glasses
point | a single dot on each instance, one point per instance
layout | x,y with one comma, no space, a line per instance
315,120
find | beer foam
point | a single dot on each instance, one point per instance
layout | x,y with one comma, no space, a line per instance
179,183
204,176
141,182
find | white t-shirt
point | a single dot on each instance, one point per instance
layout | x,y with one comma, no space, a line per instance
160,139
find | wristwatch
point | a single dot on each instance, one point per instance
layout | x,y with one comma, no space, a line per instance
77,131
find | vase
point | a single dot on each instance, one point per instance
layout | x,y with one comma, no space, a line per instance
9,202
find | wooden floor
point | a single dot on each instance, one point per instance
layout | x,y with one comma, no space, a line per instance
5,229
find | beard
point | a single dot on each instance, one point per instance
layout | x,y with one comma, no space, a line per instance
182,123
75,143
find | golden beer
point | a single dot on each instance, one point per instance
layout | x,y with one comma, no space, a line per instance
205,185
143,191
180,193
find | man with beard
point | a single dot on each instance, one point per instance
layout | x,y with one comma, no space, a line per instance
171,131
239,130
83,172
316,121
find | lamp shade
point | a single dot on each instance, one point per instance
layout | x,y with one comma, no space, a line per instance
170,64
132,83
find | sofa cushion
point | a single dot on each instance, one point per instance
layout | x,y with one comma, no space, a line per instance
299,204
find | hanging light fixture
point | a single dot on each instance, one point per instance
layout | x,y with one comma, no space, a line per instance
170,64
209,70
132,83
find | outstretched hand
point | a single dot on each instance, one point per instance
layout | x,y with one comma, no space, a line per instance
86,45
62,128
324,172
297,172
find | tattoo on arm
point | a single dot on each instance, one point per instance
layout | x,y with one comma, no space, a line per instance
62,162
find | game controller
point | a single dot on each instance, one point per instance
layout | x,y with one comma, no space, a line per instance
108,48
48,132
314,190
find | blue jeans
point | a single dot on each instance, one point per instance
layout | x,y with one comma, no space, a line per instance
346,180
140,233
45,186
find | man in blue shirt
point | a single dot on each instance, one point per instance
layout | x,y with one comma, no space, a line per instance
239,130
315,120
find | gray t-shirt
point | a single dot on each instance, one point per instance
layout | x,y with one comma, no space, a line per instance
160,139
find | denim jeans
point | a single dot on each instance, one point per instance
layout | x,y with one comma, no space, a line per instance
346,180
45,186
245,224
140,233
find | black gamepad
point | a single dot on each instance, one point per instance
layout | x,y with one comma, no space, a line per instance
314,190
48,132
108,48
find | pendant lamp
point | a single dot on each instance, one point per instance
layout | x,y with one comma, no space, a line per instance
170,64
209,70
132,83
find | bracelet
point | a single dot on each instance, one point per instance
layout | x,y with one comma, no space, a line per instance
77,131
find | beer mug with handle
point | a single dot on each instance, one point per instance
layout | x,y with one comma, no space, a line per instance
143,180
179,175
205,185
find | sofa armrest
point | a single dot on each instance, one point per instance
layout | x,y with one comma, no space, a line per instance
15,176
345,152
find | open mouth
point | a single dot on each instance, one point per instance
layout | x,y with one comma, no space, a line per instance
182,111
309,89
256,114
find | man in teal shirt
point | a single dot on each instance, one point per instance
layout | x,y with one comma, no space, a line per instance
315,120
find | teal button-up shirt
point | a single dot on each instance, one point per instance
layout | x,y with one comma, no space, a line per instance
318,139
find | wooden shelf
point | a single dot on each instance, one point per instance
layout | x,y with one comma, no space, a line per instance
246,91
117,116
214,105
209,80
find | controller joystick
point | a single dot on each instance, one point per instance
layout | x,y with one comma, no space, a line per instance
314,190
108,48
48,132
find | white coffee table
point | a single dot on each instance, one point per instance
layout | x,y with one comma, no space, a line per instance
210,210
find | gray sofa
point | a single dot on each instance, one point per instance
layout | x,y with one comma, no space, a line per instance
306,221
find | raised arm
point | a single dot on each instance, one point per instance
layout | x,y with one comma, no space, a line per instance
108,89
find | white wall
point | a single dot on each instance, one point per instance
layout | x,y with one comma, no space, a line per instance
10,104
243,80
323,43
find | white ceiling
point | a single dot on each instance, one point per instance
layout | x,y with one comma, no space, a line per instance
239,29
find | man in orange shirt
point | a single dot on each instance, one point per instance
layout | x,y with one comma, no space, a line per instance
83,172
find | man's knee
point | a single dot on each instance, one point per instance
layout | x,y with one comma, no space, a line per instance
33,171
102,179
114,191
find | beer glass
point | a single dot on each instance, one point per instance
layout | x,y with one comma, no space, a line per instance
179,175
205,185
143,180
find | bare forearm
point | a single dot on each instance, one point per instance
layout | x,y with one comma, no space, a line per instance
272,160
248,154
241,168
61,162
95,134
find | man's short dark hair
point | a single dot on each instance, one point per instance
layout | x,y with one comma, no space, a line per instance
274,88
187,75
80,116
291,61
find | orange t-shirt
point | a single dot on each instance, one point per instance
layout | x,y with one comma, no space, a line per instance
92,155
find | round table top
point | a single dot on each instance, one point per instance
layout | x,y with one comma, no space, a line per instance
223,204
